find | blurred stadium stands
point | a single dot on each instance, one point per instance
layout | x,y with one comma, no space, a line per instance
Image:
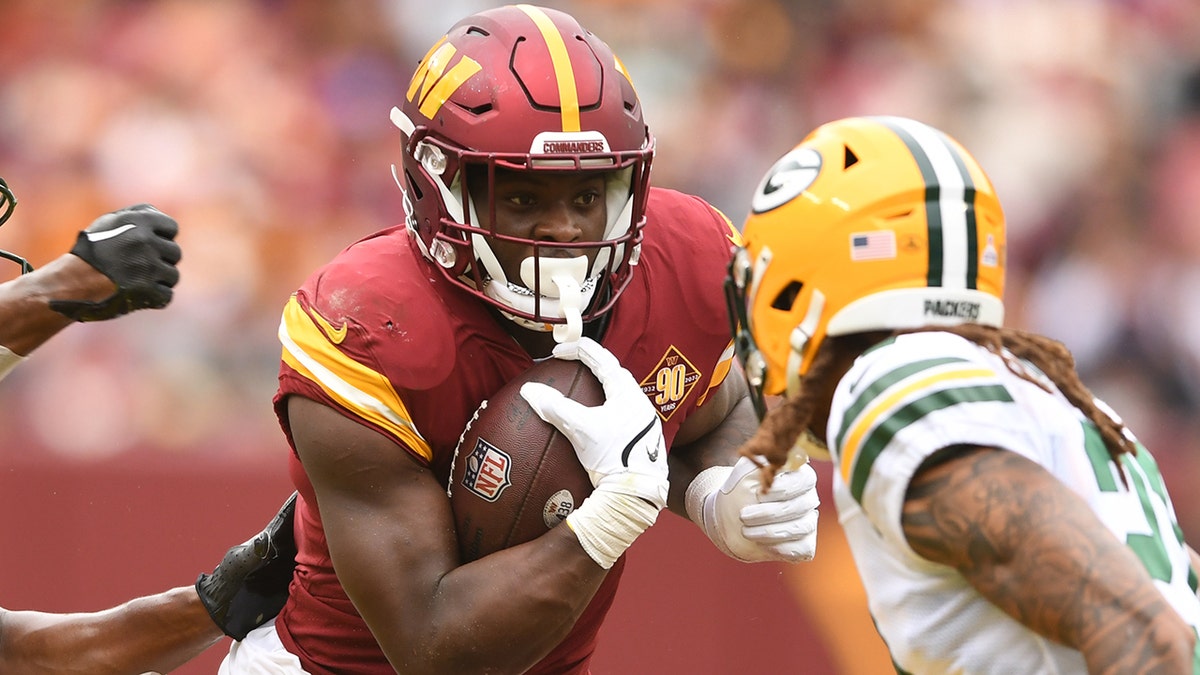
133,453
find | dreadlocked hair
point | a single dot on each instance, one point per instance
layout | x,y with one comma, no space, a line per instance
1055,361
783,425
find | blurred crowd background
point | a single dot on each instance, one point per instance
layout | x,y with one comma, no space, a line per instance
263,127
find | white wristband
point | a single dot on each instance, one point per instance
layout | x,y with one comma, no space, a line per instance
8,360
607,523
704,484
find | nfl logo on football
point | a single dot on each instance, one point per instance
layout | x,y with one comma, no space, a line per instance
487,471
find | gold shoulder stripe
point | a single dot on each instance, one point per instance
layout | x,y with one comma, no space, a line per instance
568,95
353,385
720,372
866,420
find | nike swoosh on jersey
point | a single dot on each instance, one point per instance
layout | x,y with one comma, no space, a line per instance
335,334
109,234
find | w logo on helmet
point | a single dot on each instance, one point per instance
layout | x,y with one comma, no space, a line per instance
435,83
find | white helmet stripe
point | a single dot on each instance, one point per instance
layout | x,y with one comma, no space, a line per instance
949,204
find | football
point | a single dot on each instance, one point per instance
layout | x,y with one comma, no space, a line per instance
515,476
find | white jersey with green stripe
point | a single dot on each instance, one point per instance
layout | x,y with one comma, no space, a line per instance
913,395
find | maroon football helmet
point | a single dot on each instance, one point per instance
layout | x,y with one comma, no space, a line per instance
522,88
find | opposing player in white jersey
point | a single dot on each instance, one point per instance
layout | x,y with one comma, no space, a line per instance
125,261
1002,519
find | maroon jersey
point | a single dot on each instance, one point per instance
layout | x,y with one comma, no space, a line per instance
388,342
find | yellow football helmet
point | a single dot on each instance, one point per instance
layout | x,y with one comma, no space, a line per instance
870,223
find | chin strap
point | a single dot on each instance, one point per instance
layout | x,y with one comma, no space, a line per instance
565,292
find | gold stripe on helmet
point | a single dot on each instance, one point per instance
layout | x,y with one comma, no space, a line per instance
568,96
435,88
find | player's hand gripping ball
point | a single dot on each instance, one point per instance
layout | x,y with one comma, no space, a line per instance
515,476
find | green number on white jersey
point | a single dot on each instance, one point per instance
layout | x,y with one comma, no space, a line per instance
1144,513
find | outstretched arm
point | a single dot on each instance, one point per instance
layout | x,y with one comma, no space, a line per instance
155,633
124,261
159,632
26,320
1033,547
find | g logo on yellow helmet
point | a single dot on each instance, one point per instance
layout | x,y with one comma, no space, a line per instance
789,177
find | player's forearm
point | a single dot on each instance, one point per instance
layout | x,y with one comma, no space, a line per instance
727,420
154,633
548,613
1034,549
481,617
26,320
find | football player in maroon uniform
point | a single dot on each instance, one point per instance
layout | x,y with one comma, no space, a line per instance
530,230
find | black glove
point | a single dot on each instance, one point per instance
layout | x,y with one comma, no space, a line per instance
135,248
250,585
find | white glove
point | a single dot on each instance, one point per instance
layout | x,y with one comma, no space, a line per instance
619,443
754,526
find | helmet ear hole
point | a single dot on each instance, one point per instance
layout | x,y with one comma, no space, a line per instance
787,297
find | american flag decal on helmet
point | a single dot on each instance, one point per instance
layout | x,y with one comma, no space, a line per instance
879,245
488,471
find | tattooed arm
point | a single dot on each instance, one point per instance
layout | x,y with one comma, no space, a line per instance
1033,548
